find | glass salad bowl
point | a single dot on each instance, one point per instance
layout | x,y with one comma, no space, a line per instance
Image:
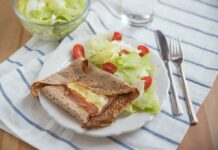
51,19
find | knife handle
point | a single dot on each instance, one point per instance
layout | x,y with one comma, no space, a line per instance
175,104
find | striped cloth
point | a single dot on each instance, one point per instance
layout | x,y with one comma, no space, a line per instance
194,21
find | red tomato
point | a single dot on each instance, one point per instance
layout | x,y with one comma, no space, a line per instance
148,82
109,67
117,36
123,52
144,50
78,51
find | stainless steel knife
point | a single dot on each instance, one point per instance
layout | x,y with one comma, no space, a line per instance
165,53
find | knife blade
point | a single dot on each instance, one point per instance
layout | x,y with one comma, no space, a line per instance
162,43
165,53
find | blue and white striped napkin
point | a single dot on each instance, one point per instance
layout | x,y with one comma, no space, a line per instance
194,21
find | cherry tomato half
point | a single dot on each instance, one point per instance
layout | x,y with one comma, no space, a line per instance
144,50
78,51
117,36
109,67
123,52
148,82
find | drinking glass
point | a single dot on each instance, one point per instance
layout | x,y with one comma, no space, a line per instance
138,12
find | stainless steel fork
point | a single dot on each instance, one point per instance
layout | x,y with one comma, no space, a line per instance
177,57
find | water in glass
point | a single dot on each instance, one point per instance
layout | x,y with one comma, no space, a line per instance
137,12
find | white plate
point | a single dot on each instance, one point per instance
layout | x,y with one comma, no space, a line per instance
62,57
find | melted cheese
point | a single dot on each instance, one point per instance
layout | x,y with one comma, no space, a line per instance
98,100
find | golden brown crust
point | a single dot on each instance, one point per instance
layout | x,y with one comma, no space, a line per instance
93,78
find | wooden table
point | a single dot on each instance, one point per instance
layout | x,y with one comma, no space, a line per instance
203,136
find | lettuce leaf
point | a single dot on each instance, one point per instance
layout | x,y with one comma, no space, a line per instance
99,51
22,4
145,103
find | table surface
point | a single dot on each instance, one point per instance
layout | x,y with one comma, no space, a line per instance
202,136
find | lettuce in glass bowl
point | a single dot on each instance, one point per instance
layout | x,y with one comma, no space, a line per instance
51,19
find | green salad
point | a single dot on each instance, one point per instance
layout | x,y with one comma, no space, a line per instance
51,12
128,63
51,19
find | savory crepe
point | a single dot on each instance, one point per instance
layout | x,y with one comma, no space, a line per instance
92,96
